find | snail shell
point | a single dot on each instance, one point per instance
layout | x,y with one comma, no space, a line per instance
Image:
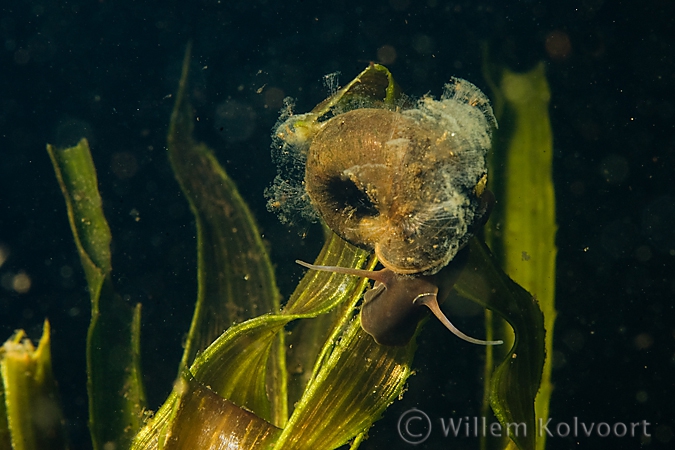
407,184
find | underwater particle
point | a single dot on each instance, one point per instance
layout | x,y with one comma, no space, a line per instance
124,165
558,45
641,396
6,281
386,54
657,220
274,97
423,44
235,120
70,131
559,359
614,169
663,433
578,188
619,237
21,282
643,341
574,339
21,56
4,254
399,5
643,253
66,271
135,214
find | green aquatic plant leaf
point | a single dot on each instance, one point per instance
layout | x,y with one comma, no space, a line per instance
307,337
373,87
354,379
527,222
235,365
30,405
515,381
5,435
205,420
522,228
114,384
235,275
354,382
235,278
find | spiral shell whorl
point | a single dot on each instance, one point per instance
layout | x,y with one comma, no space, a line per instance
403,183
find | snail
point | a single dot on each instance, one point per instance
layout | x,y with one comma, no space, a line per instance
408,183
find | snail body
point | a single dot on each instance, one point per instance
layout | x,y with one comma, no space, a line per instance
406,182
397,303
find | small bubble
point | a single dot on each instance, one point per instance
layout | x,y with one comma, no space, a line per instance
614,169
641,396
559,359
7,280
386,55
135,214
558,45
21,283
236,121
663,433
577,187
399,5
574,339
69,131
21,56
423,44
4,254
66,271
124,165
274,98
643,253
643,341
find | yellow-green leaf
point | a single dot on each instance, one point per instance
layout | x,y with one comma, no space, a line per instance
235,278
114,384
522,228
34,420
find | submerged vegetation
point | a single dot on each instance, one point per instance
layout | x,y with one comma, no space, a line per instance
234,389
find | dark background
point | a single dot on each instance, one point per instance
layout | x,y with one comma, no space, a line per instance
107,70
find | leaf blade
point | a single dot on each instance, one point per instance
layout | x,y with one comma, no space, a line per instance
116,394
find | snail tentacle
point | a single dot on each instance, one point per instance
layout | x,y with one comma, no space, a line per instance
370,274
429,300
